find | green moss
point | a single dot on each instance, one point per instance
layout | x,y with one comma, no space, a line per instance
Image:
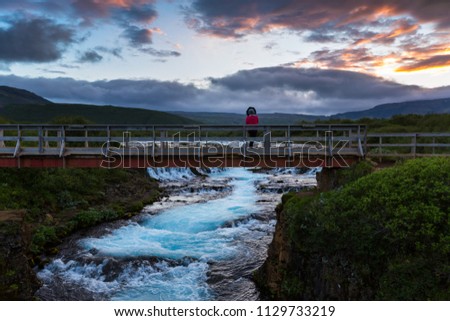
292,287
60,201
93,217
354,172
10,273
43,236
136,206
286,197
14,287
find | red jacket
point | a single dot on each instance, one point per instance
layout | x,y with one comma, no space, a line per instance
252,120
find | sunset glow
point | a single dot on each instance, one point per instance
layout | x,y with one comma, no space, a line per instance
213,54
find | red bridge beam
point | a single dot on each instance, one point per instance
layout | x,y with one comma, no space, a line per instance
179,161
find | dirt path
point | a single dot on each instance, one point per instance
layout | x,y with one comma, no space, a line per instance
16,215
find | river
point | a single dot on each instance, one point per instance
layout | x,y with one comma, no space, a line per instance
203,241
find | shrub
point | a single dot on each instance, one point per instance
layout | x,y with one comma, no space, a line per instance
92,217
391,226
43,236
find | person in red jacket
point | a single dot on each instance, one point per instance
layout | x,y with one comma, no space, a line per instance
252,119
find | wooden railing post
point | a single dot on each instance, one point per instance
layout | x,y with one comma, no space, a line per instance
62,143
414,145
126,139
164,143
46,144
2,142
289,141
19,137
199,151
41,140
267,140
350,142
365,141
380,151
154,141
86,142
58,142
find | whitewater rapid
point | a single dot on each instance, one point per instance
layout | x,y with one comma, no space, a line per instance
201,243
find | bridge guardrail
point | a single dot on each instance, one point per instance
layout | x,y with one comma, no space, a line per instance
407,145
19,141
61,140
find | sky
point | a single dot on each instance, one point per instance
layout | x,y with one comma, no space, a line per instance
288,56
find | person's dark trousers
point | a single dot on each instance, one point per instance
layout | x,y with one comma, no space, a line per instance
252,133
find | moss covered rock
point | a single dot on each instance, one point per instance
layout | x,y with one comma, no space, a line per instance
384,236
53,203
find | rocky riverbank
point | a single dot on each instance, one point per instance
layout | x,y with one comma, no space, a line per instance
41,207
17,279
380,237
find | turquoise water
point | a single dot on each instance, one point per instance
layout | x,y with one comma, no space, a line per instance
184,240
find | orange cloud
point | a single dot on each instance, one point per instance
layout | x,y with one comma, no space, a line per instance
356,59
122,3
403,28
439,61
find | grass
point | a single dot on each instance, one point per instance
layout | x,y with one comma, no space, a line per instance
60,201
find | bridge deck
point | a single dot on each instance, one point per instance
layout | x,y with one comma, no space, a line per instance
109,146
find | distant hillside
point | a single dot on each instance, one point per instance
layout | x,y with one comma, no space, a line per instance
420,107
239,119
11,95
95,114
20,105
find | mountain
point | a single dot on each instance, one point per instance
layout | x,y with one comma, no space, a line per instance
20,105
239,119
421,107
93,113
11,95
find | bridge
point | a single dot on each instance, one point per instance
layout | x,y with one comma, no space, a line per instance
141,146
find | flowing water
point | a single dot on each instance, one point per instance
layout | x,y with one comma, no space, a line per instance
202,242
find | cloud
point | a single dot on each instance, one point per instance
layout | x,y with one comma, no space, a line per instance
90,56
134,93
133,17
133,11
270,45
141,39
432,62
116,52
275,89
34,40
324,83
236,18
51,71
398,28
356,59
144,14
382,26
160,53
138,37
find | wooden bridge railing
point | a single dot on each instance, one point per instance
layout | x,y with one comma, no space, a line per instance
43,141
404,145
64,140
